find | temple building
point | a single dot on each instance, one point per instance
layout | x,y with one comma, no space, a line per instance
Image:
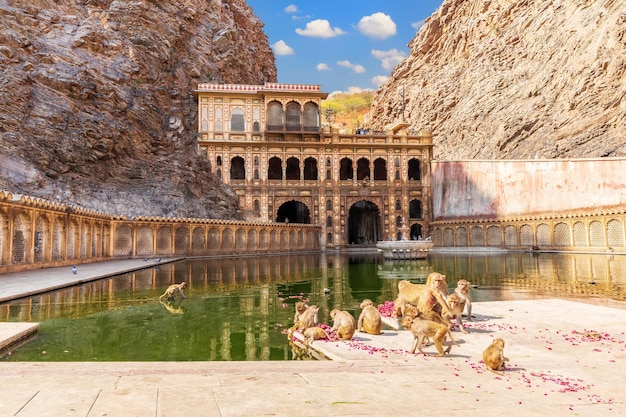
269,144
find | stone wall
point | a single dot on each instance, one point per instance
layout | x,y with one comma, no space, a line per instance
577,204
37,233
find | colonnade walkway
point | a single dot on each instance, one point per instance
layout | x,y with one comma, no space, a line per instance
566,358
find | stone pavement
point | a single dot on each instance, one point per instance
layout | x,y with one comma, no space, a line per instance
566,358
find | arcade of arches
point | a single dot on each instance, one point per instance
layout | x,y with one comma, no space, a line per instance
269,144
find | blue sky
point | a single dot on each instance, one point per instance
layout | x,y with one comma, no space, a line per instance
343,45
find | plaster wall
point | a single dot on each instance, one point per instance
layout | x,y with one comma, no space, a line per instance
497,189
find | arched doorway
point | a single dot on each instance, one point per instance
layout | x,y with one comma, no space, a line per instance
364,223
293,212
416,231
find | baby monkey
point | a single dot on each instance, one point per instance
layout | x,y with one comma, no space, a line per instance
494,357
173,289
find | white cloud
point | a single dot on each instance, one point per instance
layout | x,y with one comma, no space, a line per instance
357,68
379,80
319,28
389,59
281,48
350,90
292,8
322,67
418,25
377,26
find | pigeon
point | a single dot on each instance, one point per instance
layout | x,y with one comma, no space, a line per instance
158,260
74,270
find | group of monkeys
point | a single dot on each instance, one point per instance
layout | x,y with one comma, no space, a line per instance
426,310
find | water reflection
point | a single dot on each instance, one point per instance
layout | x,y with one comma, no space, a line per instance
238,309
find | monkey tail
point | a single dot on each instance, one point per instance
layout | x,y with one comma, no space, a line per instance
452,338
495,372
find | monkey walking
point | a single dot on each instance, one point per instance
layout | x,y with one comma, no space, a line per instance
424,329
173,289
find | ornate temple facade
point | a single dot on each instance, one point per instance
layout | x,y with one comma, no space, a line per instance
269,144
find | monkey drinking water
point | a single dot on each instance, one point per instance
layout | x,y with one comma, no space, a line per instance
173,289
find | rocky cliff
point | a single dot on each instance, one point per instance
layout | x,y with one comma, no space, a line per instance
97,105
502,79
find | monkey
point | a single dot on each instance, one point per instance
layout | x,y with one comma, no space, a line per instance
442,285
412,312
494,358
343,323
301,307
463,291
426,297
433,296
315,333
173,289
408,293
170,307
457,305
369,319
308,318
423,329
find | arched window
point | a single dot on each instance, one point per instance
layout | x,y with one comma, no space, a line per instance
399,221
398,205
414,169
310,169
275,169
363,169
274,116
293,169
237,122
256,174
328,176
311,118
329,221
218,119
292,116
329,204
346,172
397,163
257,207
415,209
237,168
397,175
256,161
380,169
219,161
255,118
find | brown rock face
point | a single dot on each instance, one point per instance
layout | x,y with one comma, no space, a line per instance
501,79
96,103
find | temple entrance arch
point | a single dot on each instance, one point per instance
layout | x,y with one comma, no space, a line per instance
416,231
364,223
293,212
